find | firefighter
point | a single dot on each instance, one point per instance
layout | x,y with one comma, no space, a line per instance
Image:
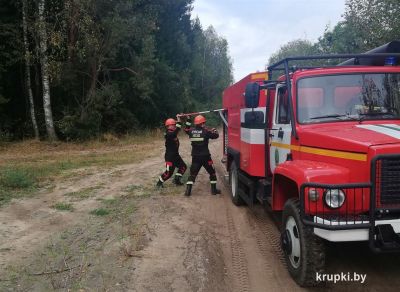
172,158
201,157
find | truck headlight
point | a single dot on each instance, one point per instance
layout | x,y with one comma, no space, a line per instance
334,198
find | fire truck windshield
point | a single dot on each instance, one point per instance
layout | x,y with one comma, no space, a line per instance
348,97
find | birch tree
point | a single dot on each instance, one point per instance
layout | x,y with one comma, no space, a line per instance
48,115
27,70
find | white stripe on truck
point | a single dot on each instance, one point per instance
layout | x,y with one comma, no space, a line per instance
252,136
391,130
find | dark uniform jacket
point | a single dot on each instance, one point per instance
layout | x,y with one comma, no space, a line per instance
199,137
172,142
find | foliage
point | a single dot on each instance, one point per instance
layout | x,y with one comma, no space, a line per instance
297,47
367,24
115,65
100,212
13,178
61,206
375,21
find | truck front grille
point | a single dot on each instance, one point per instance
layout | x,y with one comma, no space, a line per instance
387,181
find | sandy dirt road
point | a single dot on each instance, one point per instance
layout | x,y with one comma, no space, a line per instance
165,242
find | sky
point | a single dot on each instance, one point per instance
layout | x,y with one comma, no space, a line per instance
256,29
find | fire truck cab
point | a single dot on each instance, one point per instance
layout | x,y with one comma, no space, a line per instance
321,144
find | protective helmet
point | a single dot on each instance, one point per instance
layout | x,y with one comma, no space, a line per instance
170,122
199,120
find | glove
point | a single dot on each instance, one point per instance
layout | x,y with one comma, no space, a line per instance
188,121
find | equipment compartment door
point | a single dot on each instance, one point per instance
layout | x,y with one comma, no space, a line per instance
280,133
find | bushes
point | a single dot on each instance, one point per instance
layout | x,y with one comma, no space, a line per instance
13,182
16,179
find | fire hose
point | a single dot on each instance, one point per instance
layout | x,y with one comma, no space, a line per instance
220,111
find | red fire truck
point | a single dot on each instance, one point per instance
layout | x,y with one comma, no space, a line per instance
321,144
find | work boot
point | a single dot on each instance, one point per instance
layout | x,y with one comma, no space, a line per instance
188,190
159,184
214,190
177,180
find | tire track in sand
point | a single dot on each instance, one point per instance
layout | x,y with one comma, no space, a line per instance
239,262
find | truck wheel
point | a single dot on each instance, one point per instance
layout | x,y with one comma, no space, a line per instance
304,252
234,183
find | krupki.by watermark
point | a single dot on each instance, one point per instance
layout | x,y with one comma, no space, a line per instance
341,277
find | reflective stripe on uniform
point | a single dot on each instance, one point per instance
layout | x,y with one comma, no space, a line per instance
188,124
189,183
196,139
178,174
161,179
178,125
213,181
167,167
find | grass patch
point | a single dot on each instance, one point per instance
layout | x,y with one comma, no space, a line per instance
83,193
94,249
110,201
28,166
16,183
131,189
16,179
63,206
117,207
139,191
100,212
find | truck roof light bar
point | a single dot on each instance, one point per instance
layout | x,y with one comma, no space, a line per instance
354,57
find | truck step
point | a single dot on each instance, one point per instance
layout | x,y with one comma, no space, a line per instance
264,191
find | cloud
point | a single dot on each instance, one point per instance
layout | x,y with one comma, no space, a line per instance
256,29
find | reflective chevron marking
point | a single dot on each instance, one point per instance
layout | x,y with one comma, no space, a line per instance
391,130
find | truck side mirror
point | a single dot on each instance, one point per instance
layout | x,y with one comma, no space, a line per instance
252,94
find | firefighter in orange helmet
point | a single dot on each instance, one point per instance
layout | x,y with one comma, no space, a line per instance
201,157
172,158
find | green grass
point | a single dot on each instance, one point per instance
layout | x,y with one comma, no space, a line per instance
61,206
16,179
83,193
28,167
16,183
116,207
132,189
100,212
139,191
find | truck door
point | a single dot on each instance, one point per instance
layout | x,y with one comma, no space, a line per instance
281,131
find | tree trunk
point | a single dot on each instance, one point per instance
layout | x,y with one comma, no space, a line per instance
27,71
48,115
72,29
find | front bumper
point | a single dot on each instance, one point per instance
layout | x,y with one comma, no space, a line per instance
358,234
379,226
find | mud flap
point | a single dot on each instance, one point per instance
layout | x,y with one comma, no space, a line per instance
246,189
386,239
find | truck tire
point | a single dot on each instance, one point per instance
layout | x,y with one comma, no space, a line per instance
304,252
234,183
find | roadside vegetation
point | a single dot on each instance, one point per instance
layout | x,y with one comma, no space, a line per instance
98,250
31,166
97,254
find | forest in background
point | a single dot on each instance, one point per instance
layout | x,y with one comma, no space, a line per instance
75,69
366,24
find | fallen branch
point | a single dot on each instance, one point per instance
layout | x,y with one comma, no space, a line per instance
123,69
56,271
